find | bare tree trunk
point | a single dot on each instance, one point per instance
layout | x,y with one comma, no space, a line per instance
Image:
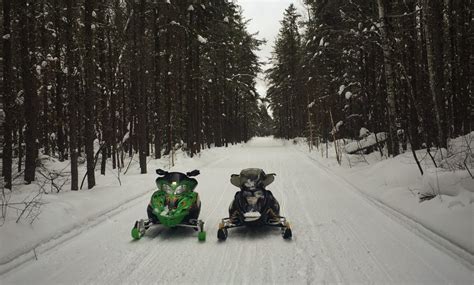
448,63
167,86
59,106
391,91
44,79
7,96
142,143
467,67
20,144
89,94
113,102
72,96
31,99
310,124
156,84
2,121
434,59
197,87
189,91
104,86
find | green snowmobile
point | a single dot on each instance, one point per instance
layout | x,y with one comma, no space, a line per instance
175,204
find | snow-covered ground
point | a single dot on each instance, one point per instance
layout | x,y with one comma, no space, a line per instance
398,184
341,233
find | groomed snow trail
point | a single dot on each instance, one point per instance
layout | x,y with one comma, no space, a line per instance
338,238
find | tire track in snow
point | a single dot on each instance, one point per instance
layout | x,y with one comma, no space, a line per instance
216,205
237,261
348,230
343,228
289,191
439,242
328,260
392,238
389,233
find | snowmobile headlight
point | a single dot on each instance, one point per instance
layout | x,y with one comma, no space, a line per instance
180,189
167,188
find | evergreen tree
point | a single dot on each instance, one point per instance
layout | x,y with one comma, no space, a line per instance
382,66
285,93
141,77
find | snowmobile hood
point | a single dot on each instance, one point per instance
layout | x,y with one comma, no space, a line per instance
176,183
170,210
252,178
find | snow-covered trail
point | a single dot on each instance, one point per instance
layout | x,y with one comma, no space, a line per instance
338,237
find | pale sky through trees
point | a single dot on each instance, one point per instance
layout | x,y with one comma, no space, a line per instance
265,16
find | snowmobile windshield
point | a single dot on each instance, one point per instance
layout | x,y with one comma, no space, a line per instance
176,183
176,177
252,179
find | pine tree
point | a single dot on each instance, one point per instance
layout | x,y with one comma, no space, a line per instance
288,101
377,65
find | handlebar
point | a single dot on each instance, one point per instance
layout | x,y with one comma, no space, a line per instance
195,172
162,172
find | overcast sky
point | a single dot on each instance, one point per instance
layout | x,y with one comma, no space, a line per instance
265,17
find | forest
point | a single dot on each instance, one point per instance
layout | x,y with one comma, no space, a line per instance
99,80
399,67
236,142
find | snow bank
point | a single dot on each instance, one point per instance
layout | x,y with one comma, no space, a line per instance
62,214
442,182
67,213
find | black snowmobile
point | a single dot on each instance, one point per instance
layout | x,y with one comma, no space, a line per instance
253,205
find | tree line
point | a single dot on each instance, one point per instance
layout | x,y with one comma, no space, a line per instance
102,79
401,67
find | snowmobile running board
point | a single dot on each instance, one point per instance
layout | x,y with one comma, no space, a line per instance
226,224
141,226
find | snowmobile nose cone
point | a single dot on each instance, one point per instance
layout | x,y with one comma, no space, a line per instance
252,216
